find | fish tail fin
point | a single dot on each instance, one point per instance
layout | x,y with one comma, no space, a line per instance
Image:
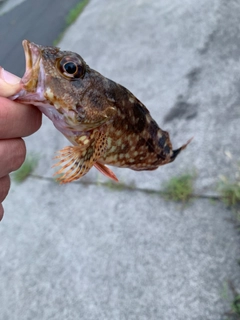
176,152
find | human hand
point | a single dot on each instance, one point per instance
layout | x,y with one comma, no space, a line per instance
16,121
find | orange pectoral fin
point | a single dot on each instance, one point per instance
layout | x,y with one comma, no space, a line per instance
74,163
105,171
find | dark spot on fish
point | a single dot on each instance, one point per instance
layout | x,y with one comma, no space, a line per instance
89,153
110,93
79,107
161,155
139,114
150,145
153,129
118,123
125,148
161,141
140,143
76,163
167,149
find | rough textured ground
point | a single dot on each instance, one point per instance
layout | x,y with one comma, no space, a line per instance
87,252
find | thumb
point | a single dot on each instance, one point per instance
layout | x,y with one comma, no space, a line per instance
9,83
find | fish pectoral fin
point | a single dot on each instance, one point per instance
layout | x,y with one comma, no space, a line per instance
105,171
75,162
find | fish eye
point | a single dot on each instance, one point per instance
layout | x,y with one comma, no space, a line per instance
71,67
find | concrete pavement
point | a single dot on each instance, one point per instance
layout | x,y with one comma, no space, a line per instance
87,252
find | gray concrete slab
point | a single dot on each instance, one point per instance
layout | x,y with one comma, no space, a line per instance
88,252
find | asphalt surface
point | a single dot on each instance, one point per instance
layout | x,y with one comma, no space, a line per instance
83,251
38,21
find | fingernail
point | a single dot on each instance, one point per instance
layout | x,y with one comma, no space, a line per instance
9,77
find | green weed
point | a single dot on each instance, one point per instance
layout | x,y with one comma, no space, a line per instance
235,307
26,169
230,192
75,12
58,39
234,313
179,188
71,17
230,189
119,185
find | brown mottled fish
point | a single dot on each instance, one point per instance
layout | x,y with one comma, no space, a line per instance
104,121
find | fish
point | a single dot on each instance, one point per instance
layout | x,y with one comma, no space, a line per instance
104,122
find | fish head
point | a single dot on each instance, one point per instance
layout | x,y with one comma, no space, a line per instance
48,82
50,72
64,88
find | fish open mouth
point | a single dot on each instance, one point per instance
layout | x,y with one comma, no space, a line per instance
33,58
33,80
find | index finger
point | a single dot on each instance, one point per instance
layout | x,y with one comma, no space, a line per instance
18,120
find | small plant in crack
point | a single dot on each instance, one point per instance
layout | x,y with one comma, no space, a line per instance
179,188
71,18
229,189
234,313
75,12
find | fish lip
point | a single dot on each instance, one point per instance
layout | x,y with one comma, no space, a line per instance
33,57
28,57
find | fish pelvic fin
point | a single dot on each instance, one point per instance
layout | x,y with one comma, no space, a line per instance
105,171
